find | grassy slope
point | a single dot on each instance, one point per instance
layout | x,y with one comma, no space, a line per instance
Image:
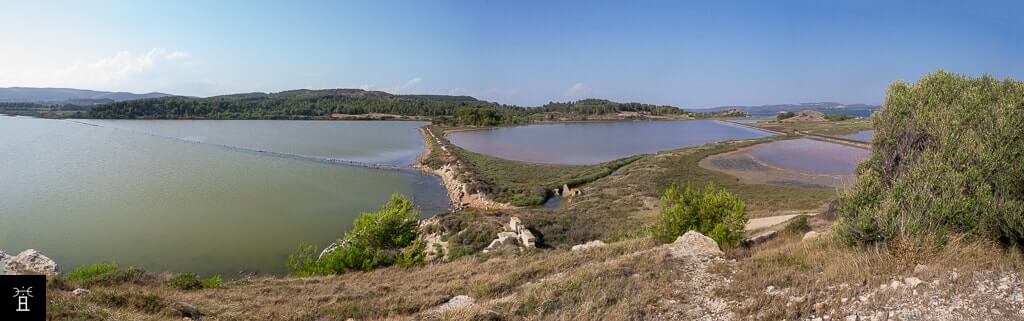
606,283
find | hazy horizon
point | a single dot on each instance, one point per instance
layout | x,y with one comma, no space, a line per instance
693,55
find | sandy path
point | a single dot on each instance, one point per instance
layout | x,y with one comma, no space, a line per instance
765,222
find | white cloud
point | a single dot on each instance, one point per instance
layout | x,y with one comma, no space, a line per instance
155,69
577,90
457,91
179,55
412,85
500,95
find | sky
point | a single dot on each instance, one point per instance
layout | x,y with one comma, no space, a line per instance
690,54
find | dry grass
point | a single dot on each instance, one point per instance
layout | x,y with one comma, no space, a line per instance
617,282
824,270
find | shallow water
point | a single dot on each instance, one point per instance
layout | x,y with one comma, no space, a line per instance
387,142
83,194
811,156
596,142
864,136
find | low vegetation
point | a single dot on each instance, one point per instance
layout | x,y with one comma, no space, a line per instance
102,274
839,127
514,182
761,199
838,117
785,115
528,184
91,272
709,211
947,160
344,103
386,237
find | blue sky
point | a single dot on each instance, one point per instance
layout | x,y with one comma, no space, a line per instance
689,54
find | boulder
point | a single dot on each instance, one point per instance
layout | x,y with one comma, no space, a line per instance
186,310
457,302
3,262
515,233
588,245
912,281
515,225
694,244
527,239
810,236
29,262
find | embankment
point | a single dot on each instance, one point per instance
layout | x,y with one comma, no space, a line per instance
448,167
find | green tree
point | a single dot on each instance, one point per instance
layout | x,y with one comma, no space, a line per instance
716,213
382,238
947,159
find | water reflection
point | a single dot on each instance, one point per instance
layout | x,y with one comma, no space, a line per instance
596,142
811,156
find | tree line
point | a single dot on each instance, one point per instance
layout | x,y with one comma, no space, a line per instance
322,104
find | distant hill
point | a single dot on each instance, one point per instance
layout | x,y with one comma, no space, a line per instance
68,96
860,110
302,104
345,103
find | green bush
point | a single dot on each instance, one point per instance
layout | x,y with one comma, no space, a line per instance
785,115
715,213
186,281
947,158
104,274
85,273
131,274
381,238
798,226
212,282
838,117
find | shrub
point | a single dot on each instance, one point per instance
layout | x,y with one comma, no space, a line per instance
131,274
212,282
785,115
715,213
838,117
380,238
105,274
186,281
798,226
947,158
85,273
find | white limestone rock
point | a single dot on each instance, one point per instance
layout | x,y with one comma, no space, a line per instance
29,262
694,244
588,245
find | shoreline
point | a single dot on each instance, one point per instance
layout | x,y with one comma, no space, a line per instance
458,194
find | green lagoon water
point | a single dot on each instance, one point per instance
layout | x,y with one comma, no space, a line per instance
163,199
